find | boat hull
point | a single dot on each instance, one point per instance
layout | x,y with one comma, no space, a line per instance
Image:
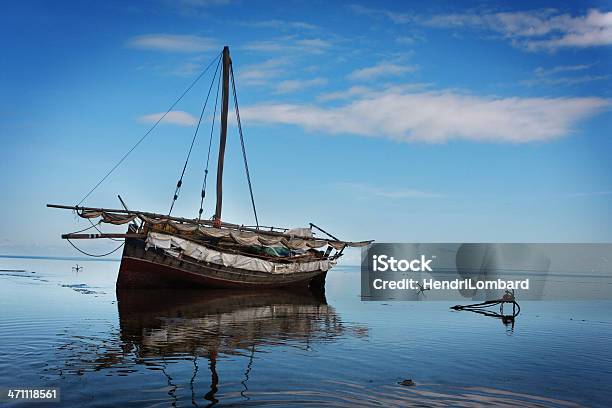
152,268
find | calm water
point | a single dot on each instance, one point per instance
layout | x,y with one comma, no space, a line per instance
67,329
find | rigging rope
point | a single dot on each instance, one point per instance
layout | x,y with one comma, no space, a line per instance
149,131
86,229
98,229
212,128
195,135
94,255
246,166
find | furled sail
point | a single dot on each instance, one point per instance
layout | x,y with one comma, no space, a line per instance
177,246
297,238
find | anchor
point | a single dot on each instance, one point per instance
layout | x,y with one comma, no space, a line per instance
483,308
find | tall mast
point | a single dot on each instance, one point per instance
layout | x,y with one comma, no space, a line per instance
224,109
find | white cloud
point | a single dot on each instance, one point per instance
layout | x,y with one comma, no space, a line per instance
437,117
397,193
202,3
361,91
172,43
549,76
270,72
394,16
382,69
540,71
282,24
544,80
261,73
409,40
290,45
179,118
589,194
535,30
293,85
195,8
345,94
187,69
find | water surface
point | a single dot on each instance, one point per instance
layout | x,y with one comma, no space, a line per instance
68,329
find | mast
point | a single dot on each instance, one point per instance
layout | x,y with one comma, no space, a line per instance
224,109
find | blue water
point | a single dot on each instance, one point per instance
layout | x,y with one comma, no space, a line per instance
67,329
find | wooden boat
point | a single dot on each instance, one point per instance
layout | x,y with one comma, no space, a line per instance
163,251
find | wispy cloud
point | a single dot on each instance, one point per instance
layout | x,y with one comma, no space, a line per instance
437,117
394,16
564,80
290,45
270,73
262,72
172,43
540,71
409,39
589,194
187,69
381,69
550,76
352,92
203,3
535,30
389,193
363,91
179,118
195,8
282,24
294,85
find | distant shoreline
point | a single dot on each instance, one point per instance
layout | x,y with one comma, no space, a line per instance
61,258
85,258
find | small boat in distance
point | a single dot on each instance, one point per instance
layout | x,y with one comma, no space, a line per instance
164,251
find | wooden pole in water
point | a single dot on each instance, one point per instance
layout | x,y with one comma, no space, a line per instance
224,110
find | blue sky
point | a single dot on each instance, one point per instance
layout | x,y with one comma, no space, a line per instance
392,121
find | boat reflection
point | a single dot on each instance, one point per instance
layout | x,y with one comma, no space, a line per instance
199,330
203,322
157,325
